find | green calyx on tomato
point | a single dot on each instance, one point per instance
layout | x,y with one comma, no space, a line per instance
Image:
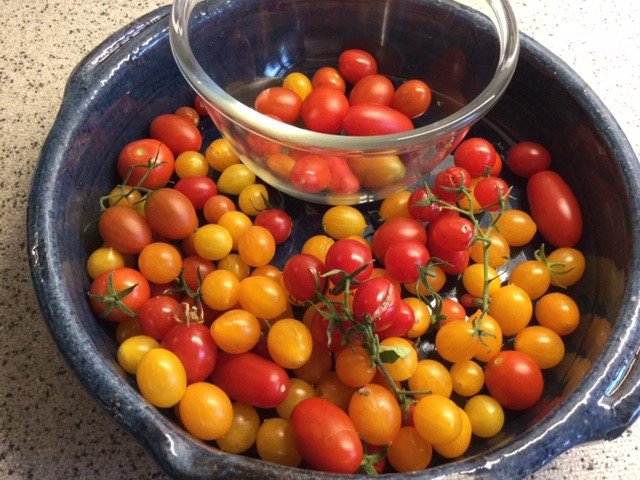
556,269
113,299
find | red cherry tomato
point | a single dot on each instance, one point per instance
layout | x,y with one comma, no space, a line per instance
195,347
426,213
325,436
412,98
488,192
452,310
124,229
277,221
526,158
356,64
451,233
476,156
324,110
378,298
342,178
467,301
281,102
197,189
166,289
554,209
372,89
157,316
394,231
249,378
403,259
318,331
367,119
456,261
349,255
121,279
452,177
170,213
299,276
311,174
328,77
402,322
514,380
497,167
139,153
191,265
209,314
177,133
200,106
380,464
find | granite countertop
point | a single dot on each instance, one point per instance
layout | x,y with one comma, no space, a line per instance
49,426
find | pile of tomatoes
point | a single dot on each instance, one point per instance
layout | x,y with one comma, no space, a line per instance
317,364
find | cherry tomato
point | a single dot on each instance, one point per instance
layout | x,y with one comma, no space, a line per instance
377,172
382,273
555,209
452,310
456,342
234,264
256,246
451,178
124,195
463,201
127,329
491,341
379,299
476,156
318,330
236,331
425,213
354,367
404,259
402,368
124,229
514,380
220,155
176,132
132,350
251,379
412,98
300,275
107,305
533,277
511,307
488,192
498,252
485,414
143,152
343,221
216,206
422,317
102,260
396,205
191,164
348,256
237,224
473,280
166,289
170,213
367,119
569,266
408,451
289,343
191,266
263,297
328,77
437,419
234,178
395,231
324,110
318,246
275,442
161,378
212,242
243,430
527,158
197,189
461,443
157,316
432,376
331,388
220,290
195,348
403,321
189,113
467,378
319,364
299,83
376,414
452,233
456,261
281,102
267,271
356,64
542,344
558,312
372,89
253,199
277,221
199,104
311,174
160,262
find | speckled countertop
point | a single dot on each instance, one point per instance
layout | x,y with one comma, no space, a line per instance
49,426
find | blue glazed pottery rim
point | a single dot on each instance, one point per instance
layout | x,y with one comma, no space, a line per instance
605,403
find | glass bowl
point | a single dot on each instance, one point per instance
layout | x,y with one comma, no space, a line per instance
229,52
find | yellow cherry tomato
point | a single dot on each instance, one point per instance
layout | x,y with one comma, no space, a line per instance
457,341
461,443
485,414
360,239
234,178
436,281
298,391
206,411
191,164
467,377
132,350
102,260
558,312
263,297
377,172
270,271
533,277
289,342
403,367
299,83
331,388
431,375
408,451
275,443
491,341
343,221
567,266
256,246
354,367
376,414
396,205
236,223
473,280
212,242
161,378
125,196
236,331
422,317
511,307
318,246
542,344
281,165
220,155
127,329
318,365
437,419
234,264
253,199
499,251
160,262
463,202
220,290
517,227
243,431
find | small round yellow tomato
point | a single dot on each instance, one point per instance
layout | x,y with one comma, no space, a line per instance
253,199
473,280
281,165
432,376
275,443
463,202
160,262
403,367
558,312
485,414
220,290
467,378
408,451
511,307
298,391
377,172
161,378
256,246
127,329
236,331
376,414
533,277
263,297
234,178
542,344
457,341
191,164
317,366
220,155
331,388
437,419
422,317
132,350
499,251
206,411
343,221
491,341
289,342
517,227
299,83
102,260
461,443
125,196
234,264
396,205
567,266
212,242
354,367
243,431
236,223
318,246
436,281
269,271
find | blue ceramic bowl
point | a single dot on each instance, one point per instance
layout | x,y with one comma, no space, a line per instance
111,98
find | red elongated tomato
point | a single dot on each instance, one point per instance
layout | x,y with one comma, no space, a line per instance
342,178
372,89
554,209
250,378
367,119
281,102
124,229
170,213
325,436
176,132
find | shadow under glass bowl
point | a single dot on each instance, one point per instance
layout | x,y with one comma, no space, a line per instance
115,92
230,51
